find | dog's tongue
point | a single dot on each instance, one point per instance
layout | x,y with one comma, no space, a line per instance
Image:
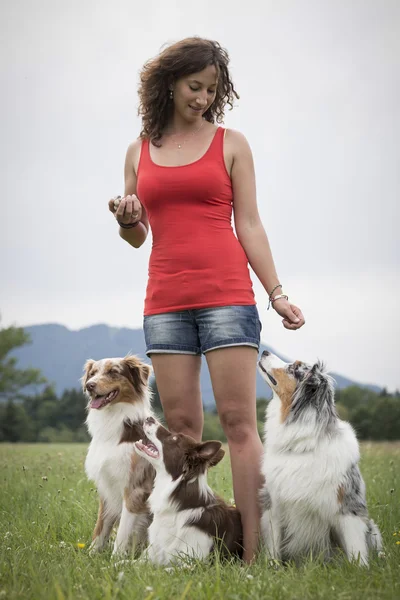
97,402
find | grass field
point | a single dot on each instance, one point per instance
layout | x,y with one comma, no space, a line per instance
48,510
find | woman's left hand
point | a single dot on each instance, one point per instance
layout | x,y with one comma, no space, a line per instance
292,315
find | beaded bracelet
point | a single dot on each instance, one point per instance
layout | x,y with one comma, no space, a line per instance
128,225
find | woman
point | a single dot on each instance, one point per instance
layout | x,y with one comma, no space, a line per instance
184,176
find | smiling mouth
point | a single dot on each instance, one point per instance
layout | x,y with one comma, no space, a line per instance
148,448
197,109
102,401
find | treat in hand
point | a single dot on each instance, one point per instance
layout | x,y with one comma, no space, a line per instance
117,201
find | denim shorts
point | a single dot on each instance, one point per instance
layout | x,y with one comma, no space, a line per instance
199,330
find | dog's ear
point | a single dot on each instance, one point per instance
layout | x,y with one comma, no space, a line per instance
139,370
210,452
201,457
314,376
86,370
217,458
145,372
318,385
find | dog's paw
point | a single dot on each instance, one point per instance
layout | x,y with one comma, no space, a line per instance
119,552
169,569
95,547
121,563
179,565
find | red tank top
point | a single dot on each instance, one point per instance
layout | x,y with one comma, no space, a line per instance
196,260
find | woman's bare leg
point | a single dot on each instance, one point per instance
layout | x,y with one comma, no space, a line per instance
233,376
178,383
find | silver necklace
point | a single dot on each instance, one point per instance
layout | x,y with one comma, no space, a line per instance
180,144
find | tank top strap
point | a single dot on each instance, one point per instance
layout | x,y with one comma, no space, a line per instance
216,149
217,142
144,158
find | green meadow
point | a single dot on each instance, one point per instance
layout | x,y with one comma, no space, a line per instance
48,510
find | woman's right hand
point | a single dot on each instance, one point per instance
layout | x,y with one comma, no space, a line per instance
126,210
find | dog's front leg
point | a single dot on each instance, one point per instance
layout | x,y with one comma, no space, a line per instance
271,532
102,530
352,533
132,530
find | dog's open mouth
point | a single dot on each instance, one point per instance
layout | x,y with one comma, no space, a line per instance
148,448
272,380
102,401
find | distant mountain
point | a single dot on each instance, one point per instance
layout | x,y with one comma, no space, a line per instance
61,353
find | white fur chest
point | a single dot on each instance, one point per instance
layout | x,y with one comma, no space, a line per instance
108,461
108,464
170,536
302,470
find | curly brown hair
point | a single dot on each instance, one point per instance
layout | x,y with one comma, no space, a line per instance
188,56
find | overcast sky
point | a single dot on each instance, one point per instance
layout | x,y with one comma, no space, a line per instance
319,85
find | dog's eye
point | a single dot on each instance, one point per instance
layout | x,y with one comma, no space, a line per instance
113,371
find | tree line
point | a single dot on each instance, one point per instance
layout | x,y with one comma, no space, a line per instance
44,416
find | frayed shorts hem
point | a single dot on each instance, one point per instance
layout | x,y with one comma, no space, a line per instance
232,344
199,331
165,349
161,349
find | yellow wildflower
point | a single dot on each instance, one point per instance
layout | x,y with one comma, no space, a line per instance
80,546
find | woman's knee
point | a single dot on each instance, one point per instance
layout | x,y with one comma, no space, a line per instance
238,430
181,422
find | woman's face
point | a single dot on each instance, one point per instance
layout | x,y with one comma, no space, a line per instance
194,93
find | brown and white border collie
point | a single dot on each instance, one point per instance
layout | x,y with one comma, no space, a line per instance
189,520
118,403
313,499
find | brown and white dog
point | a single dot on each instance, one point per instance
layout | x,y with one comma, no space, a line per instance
119,403
313,499
189,520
